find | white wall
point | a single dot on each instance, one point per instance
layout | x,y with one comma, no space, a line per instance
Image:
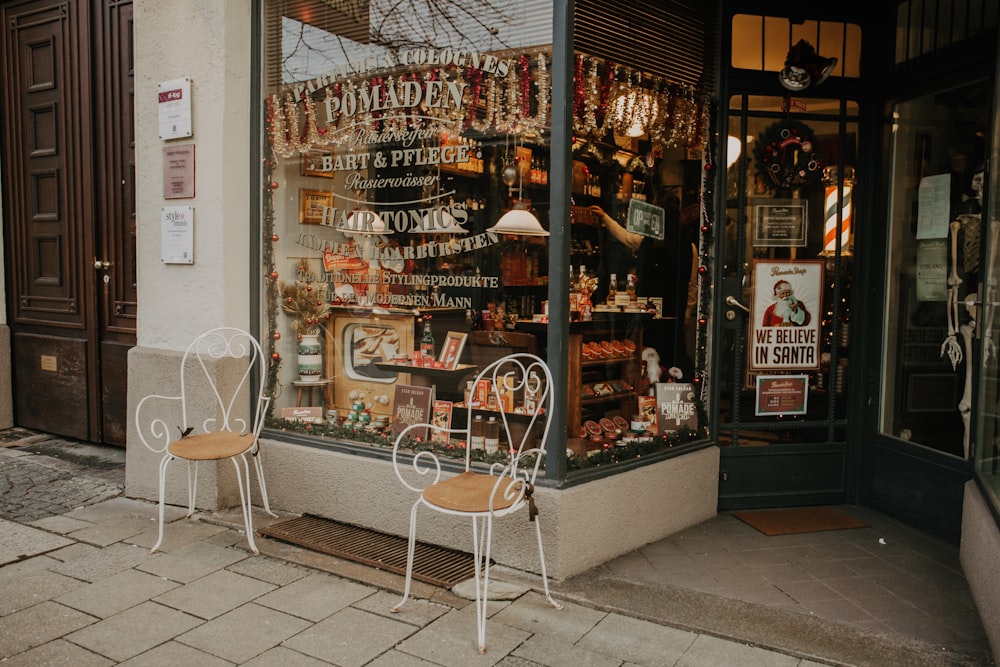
980,558
208,41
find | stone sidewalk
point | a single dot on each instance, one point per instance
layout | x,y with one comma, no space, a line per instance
80,588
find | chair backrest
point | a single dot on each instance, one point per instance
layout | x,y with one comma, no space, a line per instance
521,381
218,372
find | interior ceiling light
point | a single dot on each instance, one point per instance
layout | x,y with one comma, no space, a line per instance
519,221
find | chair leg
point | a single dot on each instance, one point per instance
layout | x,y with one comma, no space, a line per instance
245,500
541,557
162,487
260,479
192,487
481,542
410,549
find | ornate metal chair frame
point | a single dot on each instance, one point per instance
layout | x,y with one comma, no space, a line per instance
229,431
503,489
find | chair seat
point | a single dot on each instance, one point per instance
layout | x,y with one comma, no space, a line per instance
468,492
211,446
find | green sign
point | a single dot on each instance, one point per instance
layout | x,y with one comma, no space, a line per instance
645,219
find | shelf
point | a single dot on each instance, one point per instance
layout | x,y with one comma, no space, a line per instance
609,398
587,363
460,371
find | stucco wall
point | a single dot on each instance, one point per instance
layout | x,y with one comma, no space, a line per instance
582,526
980,557
208,41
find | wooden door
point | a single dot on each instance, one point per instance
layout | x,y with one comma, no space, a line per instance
67,198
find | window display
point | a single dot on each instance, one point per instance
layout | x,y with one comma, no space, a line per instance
406,222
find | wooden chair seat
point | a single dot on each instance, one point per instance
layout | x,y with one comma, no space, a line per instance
213,446
469,492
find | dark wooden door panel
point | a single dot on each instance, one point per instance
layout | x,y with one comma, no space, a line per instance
69,201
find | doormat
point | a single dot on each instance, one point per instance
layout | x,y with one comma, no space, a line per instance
796,520
432,564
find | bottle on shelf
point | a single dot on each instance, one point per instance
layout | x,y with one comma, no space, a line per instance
574,296
491,439
633,298
612,289
586,306
477,433
427,344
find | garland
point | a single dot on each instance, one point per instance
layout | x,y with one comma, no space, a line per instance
788,153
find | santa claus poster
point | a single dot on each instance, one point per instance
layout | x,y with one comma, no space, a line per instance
787,315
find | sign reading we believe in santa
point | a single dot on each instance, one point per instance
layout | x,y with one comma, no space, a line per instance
786,315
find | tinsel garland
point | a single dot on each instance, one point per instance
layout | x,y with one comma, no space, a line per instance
628,452
606,97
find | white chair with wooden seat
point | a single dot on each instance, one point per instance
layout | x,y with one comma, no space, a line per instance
480,492
220,416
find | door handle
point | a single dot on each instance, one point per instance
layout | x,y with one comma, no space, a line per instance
102,265
732,301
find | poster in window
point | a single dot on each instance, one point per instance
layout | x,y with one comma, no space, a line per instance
312,205
780,223
451,351
411,405
441,418
782,394
786,315
675,407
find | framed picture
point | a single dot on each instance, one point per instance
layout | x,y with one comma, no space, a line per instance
317,163
451,351
780,223
312,203
782,395
786,315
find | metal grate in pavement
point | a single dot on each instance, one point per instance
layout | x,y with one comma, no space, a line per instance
432,564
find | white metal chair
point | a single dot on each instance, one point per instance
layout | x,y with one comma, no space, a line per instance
499,490
221,416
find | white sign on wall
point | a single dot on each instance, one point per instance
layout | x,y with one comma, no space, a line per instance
177,234
174,104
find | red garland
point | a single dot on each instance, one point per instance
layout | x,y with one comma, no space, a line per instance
525,87
475,75
579,95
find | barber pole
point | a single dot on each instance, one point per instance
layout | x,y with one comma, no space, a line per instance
837,197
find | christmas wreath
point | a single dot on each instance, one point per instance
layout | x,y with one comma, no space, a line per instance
788,153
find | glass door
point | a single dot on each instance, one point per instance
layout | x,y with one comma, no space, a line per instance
934,277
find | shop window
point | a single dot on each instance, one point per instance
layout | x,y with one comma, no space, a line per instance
406,216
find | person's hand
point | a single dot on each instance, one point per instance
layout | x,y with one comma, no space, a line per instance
599,214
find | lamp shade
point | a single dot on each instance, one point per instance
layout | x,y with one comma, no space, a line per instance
519,222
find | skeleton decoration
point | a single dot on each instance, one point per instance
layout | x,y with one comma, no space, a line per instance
989,346
965,405
951,346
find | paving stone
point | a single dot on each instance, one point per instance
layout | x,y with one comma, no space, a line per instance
108,532
396,658
60,524
73,552
271,570
709,651
545,650
192,562
451,641
315,597
37,625
637,640
23,567
534,614
415,612
173,654
350,637
24,541
30,589
134,631
103,563
244,633
116,593
281,656
58,653
215,594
